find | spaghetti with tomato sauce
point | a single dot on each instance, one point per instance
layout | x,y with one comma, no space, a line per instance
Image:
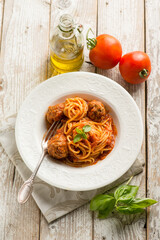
87,135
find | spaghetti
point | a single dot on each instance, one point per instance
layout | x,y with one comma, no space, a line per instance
92,145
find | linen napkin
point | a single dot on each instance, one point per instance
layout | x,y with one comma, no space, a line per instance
54,202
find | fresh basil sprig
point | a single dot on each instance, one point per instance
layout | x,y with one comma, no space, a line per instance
81,133
123,201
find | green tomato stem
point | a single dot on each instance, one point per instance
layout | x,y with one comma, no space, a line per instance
91,42
144,73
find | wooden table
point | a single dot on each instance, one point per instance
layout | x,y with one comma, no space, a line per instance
25,29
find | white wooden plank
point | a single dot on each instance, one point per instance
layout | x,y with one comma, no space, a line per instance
1,28
153,116
77,224
1,15
125,21
17,222
24,51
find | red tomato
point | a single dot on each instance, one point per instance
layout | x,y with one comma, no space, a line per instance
135,67
106,52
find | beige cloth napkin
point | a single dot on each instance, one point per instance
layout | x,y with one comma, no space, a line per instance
52,201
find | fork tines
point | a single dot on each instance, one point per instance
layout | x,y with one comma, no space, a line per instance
52,130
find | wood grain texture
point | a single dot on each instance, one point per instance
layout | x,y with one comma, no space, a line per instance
153,116
17,222
125,21
1,17
1,29
24,51
77,224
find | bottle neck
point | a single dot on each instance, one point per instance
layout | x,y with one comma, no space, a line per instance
66,26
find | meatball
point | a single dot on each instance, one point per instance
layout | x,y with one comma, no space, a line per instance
55,113
96,110
57,146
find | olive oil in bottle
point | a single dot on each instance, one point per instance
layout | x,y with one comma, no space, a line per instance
66,46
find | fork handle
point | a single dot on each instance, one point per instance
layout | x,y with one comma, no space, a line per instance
25,191
38,165
27,187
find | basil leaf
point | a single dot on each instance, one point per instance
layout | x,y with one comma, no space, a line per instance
104,213
125,193
142,202
79,131
129,210
83,135
101,202
87,128
125,200
111,194
77,138
136,206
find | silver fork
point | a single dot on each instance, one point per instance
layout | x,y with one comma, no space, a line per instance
27,187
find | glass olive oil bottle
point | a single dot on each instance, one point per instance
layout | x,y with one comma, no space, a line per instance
66,46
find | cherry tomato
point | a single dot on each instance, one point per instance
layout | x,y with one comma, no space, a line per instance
135,67
105,51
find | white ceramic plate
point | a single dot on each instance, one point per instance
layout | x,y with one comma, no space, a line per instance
30,128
